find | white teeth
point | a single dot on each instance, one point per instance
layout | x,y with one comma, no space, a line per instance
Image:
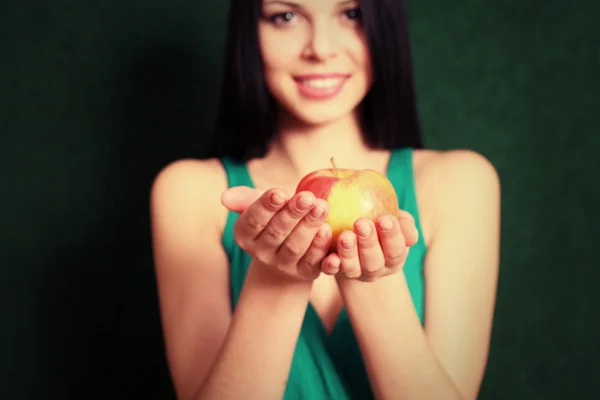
329,83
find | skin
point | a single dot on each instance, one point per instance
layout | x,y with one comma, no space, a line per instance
216,354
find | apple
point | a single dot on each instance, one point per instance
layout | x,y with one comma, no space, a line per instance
351,194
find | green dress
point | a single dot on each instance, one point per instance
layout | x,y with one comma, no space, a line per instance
330,366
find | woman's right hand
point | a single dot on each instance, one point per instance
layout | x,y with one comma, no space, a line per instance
288,236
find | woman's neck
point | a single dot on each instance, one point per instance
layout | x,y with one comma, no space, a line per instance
303,149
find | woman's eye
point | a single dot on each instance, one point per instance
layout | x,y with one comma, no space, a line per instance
282,18
353,14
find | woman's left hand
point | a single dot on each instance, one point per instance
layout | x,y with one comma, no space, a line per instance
373,249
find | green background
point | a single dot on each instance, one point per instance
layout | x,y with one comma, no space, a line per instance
96,98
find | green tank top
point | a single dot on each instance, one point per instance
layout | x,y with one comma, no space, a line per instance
330,366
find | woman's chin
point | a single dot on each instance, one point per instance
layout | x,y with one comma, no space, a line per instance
315,116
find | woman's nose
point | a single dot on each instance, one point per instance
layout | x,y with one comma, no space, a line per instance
322,43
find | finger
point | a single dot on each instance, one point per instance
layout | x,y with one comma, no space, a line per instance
408,227
299,240
284,221
309,265
348,252
238,198
331,264
392,241
256,217
370,254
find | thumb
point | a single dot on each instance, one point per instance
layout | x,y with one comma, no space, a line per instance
238,198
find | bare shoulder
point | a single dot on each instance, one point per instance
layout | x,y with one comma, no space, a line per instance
469,166
191,176
191,188
453,181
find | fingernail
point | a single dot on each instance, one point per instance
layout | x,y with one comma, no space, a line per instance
277,199
364,229
317,212
347,244
304,203
385,224
322,232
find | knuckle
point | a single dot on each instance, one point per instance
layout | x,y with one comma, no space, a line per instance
352,274
254,223
396,257
292,248
273,234
310,260
320,249
306,264
347,254
373,269
368,244
313,258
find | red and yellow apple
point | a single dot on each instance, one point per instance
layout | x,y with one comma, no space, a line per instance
351,194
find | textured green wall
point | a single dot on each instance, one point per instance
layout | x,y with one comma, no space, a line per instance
96,98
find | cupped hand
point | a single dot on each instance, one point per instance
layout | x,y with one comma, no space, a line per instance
287,235
373,249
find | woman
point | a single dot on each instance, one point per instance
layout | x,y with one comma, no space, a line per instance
253,305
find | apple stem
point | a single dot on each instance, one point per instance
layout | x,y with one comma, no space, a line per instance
335,169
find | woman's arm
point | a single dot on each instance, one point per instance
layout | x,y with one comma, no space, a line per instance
213,354
448,358
398,358
256,355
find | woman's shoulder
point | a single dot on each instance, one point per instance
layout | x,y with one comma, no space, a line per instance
193,187
192,179
450,180
452,164
189,169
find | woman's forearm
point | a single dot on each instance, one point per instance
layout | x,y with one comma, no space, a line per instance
399,361
255,359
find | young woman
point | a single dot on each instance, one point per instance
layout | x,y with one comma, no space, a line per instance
253,305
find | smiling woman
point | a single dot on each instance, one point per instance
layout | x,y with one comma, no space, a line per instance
365,35
341,82
254,303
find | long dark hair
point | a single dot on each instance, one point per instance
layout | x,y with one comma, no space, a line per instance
245,122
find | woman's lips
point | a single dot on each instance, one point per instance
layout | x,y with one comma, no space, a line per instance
321,86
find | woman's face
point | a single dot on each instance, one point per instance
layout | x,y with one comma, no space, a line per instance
315,56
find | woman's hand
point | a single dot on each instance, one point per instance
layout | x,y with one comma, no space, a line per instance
373,249
288,236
